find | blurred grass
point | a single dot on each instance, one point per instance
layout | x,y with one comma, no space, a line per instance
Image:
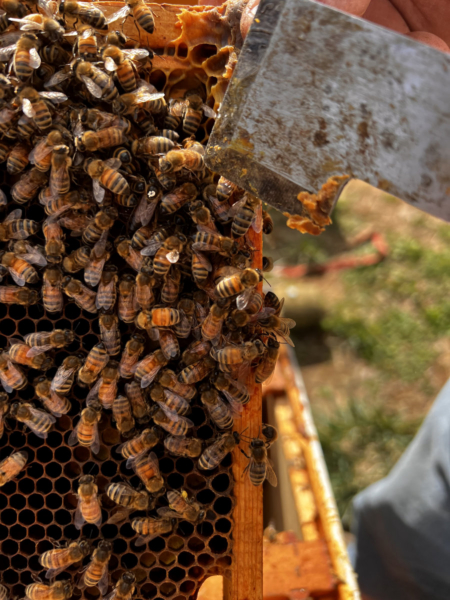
385,326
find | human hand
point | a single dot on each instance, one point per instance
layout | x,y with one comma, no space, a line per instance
426,21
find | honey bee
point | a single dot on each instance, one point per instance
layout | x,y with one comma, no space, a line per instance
54,54
212,325
240,285
109,333
89,506
170,421
86,430
125,587
164,317
231,355
18,159
267,365
175,160
107,290
218,411
4,407
98,256
209,241
234,391
146,467
128,253
259,467
188,447
216,452
104,173
142,14
18,353
46,340
182,507
246,212
15,228
55,404
280,326
11,377
167,180
169,344
11,466
36,106
91,141
193,114
171,286
195,351
127,307
175,112
152,243
9,294
186,308
176,199
225,189
105,390
59,174
145,97
54,245
98,83
272,301
4,592
168,254
52,297
24,190
267,223
96,573
138,403
86,44
130,356
65,375
169,380
151,146
77,260
95,362
82,295
103,221
172,401
146,440
267,264
270,434
37,420
254,303
128,498
146,208
26,57
149,528
20,270
144,291
123,416
197,371
148,368
78,222
56,561
95,119
59,590
86,12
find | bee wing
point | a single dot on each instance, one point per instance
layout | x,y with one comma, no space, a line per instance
120,14
289,322
58,78
235,406
113,163
54,572
152,248
55,97
95,446
34,256
284,337
236,206
16,276
150,376
62,375
13,216
270,474
204,260
143,95
39,413
118,515
46,8
92,87
205,247
104,582
7,52
173,415
110,65
43,152
93,393
167,512
35,59
28,25
3,198
27,108
106,290
243,299
5,385
36,350
257,221
99,192
153,459
79,519
173,256
136,53
177,107
208,111
73,437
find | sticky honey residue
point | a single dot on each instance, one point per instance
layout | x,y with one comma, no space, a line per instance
317,207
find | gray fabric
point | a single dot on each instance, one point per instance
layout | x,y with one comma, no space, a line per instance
402,523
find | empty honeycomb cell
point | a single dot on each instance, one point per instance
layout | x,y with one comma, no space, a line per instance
53,470
166,465
206,496
187,586
34,564
205,432
72,469
36,533
72,311
218,544
205,560
5,451
44,454
92,593
26,326
140,575
196,572
120,546
4,563
16,312
202,52
9,516
148,590
62,485
205,529
103,453
10,577
113,562
223,505
43,486
226,461
109,532
110,436
170,51
64,423
35,470
147,559
9,488
197,416
109,468
167,558
27,547
195,544
128,560
102,484
4,501
184,465
26,577
167,588
4,310
54,531
221,483
63,517
26,517
157,574
115,575
177,574
195,481
36,501
53,501
17,439
224,561
175,481
222,526
3,532
10,547
3,341
71,532
62,454
54,439
9,327
26,486
19,562
182,50
157,544
90,531
158,79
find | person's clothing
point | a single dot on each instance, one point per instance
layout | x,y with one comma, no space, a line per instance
402,523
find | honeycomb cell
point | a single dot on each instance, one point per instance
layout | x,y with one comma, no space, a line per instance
206,497
54,531
26,577
80,454
175,481
53,501
222,526
205,529
195,481
157,574
196,572
140,575
109,532
109,468
18,532
184,465
110,437
10,547
64,423
10,577
127,532
35,470
26,517
224,561
147,560
128,560
177,574
53,470
223,505
175,542
182,51
148,590
19,562
185,528
218,544
92,593
26,486
70,501
72,470
63,517
157,544
71,532
9,327
195,544
186,559
91,468
167,558
27,547
17,439
44,454
43,486
166,465
4,563
202,52
54,439
187,586
25,326
205,432
221,482
167,588
62,485
205,560
197,415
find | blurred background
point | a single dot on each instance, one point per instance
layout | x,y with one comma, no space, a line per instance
371,298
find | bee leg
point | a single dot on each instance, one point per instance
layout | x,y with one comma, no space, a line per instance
246,455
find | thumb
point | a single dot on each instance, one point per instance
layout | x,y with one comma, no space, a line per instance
248,15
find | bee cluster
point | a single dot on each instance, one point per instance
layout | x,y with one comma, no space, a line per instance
134,329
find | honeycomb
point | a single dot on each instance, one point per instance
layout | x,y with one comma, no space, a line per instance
38,506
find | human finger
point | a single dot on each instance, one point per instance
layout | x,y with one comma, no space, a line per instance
248,15
430,39
354,7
